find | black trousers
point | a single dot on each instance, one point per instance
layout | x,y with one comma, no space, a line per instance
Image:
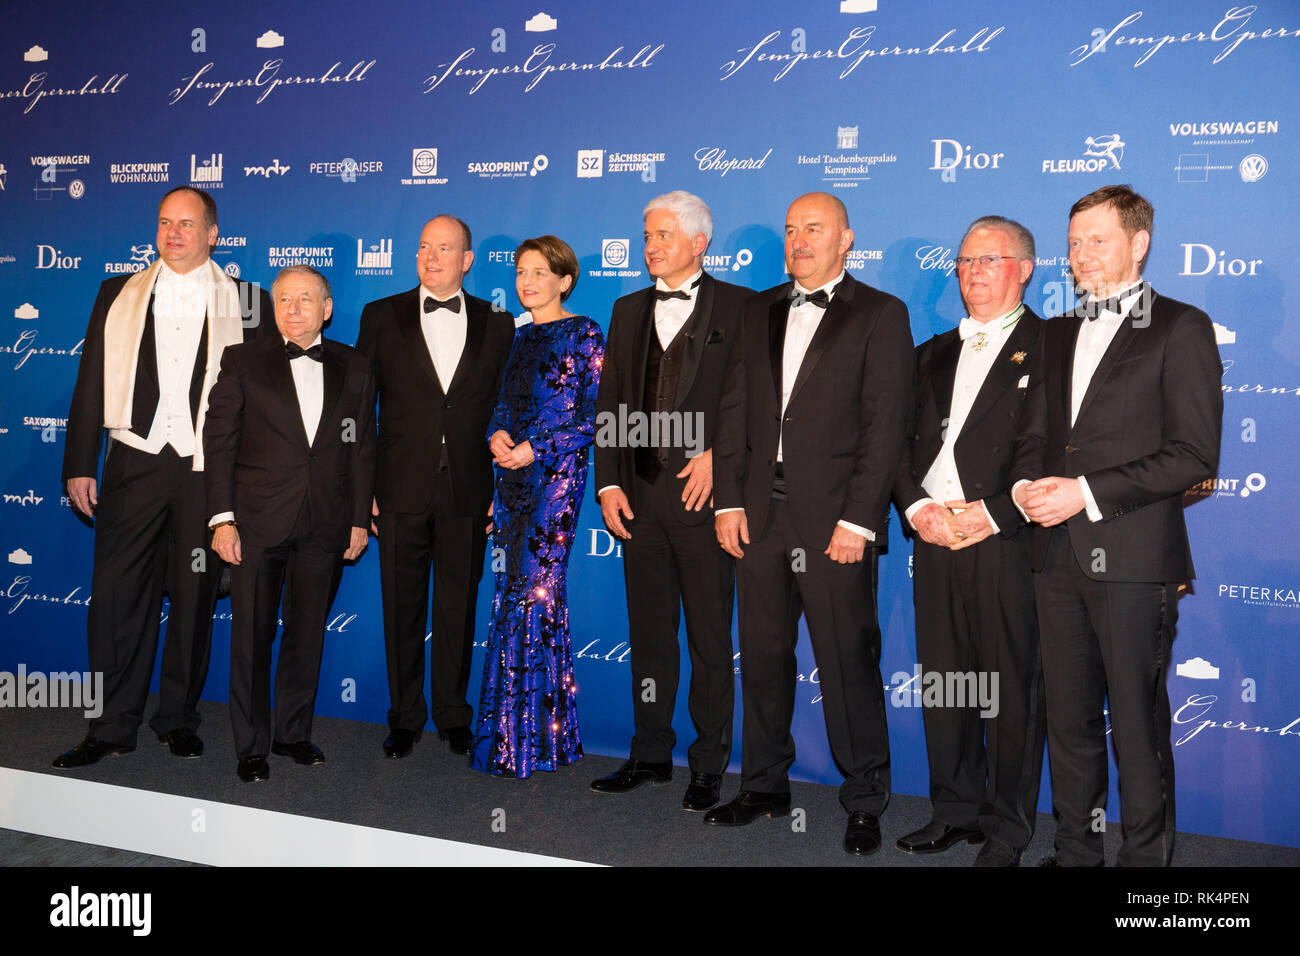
1107,645
669,566
150,534
782,576
307,577
409,544
975,613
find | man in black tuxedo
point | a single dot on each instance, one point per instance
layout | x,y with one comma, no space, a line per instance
665,357
438,356
810,430
290,437
973,588
151,354
1124,414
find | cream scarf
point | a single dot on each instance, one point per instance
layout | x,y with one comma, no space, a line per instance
124,327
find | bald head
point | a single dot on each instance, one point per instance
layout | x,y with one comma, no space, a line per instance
817,238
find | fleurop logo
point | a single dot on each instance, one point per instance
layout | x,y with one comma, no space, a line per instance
1100,153
141,257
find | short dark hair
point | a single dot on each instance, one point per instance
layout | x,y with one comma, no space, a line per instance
464,229
209,204
1135,212
559,258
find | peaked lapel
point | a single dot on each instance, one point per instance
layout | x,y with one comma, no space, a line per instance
1003,372
475,331
778,314
408,320
943,372
697,328
276,365
1118,346
335,371
644,328
837,313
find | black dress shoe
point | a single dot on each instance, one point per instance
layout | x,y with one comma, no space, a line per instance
182,743
399,743
253,769
89,751
862,835
304,752
458,739
748,806
997,853
935,837
704,792
631,775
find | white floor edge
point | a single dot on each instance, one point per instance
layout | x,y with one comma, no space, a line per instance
222,834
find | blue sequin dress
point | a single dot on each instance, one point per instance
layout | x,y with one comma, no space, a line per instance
527,719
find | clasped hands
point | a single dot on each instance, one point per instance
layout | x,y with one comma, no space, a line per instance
954,524
507,454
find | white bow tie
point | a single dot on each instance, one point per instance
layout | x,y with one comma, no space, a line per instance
969,327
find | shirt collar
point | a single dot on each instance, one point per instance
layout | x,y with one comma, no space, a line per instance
690,286
199,275
426,294
798,286
316,341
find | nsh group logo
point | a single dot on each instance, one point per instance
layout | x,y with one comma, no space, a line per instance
424,168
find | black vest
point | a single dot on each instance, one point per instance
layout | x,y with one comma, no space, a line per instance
663,367
145,396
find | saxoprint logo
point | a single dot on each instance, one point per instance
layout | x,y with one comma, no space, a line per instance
1223,487
424,168
1100,153
509,168
719,262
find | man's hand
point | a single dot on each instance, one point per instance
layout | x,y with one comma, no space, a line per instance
1050,501
500,444
934,524
846,546
521,456
732,528
614,506
970,520
699,481
360,538
82,491
374,513
225,541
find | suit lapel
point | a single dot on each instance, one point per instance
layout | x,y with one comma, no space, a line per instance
1067,367
641,346
335,370
778,315
943,372
276,364
475,330
837,313
697,333
1003,371
408,320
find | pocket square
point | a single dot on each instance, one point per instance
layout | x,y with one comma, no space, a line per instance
714,337
1024,382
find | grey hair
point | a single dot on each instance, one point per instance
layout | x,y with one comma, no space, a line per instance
693,215
302,268
1022,237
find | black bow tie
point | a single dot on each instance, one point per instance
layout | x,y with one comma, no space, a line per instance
1092,308
660,295
818,298
316,353
431,304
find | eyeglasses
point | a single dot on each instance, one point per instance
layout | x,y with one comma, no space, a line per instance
988,262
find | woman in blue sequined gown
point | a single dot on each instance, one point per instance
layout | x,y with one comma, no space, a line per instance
540,436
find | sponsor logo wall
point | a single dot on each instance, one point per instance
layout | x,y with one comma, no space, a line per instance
333,144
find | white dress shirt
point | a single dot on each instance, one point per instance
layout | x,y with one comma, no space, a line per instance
444,336
1095,336
981,342
801,325
180,308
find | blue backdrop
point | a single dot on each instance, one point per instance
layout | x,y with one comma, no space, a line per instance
333,131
